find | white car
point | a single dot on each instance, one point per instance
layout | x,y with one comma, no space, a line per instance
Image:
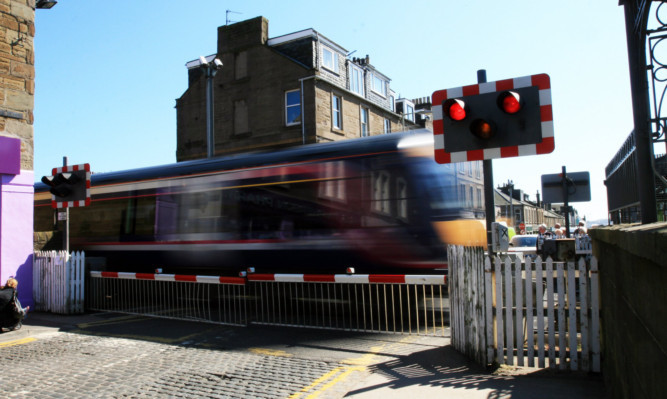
523,246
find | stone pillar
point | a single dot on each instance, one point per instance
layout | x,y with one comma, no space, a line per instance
17,87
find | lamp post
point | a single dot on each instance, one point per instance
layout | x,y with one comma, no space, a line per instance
210,69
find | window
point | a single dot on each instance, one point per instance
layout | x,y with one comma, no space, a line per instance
381,192
364,122
293,107
392,103
379,85
336,112
330,59
409,112
356,80
402,198
333,186
387,126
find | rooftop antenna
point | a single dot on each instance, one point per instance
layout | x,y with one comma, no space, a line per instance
227,12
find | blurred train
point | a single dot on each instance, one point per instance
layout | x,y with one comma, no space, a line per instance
379,205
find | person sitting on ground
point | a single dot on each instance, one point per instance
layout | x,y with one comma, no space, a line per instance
11,311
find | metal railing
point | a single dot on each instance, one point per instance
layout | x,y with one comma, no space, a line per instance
370,303
401,304
213,299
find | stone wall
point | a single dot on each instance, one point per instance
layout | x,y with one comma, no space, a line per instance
17,74
633,290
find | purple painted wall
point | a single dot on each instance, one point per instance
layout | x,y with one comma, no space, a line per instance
16,231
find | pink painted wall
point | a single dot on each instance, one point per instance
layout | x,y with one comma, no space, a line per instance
16,231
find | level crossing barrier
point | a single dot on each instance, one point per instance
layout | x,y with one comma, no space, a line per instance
404,304
213,299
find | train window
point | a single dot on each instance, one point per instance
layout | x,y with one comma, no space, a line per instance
381,193
402,198
333,184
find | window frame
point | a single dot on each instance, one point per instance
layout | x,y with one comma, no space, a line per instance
336,114
334,59
364,113
376,78
358,82
288,106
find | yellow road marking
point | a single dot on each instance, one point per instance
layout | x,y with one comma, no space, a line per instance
270,352
17,342
328,380
335,381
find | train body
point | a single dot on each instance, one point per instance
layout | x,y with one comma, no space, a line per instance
378,205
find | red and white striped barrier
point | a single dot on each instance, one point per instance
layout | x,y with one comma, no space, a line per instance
352,278
170,277
415,279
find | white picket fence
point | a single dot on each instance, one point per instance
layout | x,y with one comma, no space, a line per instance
58,281
535,314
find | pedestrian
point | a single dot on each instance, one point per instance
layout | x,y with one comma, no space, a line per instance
542,234
11,311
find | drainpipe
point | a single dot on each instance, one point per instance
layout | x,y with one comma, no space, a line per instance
303,112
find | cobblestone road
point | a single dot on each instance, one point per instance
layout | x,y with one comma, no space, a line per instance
81,366
136,357
106,355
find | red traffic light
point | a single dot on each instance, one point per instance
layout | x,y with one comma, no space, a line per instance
455,109
510,102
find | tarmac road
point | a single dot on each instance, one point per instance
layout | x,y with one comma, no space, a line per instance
107,355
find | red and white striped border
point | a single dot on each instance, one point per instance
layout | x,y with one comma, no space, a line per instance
170,277
352,278
72,204
542,81
416,279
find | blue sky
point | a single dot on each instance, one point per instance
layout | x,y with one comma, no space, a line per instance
108,73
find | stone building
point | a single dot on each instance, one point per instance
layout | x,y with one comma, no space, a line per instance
289,90
17,90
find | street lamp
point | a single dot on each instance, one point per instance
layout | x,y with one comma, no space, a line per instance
45,4
210,69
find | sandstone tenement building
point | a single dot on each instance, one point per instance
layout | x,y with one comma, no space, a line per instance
289,90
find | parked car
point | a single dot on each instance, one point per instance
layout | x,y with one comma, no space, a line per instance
523,246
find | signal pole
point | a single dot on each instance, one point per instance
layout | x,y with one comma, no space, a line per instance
489,203
66,222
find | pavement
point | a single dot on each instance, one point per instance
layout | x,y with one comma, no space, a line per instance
111,355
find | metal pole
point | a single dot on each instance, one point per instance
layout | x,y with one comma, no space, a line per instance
635,28
210,137
489,203
66,224
566,202
511,187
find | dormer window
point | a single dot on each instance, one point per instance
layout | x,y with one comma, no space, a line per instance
329,59
379,85
356,80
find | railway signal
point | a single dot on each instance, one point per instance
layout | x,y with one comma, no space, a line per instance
69,186
506,118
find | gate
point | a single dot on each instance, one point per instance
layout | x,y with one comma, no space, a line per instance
58,281
402,304
533,313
